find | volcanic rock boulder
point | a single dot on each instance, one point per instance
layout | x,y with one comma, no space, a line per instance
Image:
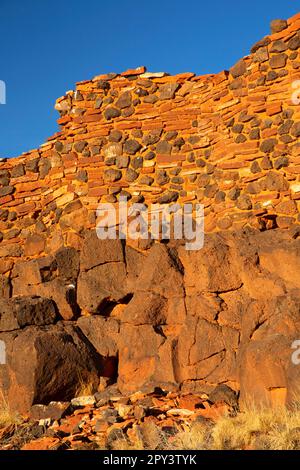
103,334
151,322
101,287
266,370
5,287
24,311
53,277
45,364
102,279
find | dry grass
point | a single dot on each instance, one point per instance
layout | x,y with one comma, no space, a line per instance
7,416
265,429
85,387
254,428
261,429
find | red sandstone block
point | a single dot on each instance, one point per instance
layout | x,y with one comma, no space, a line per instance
47,153
64,120
69,177
275,108
49,183
79,136
295,26
249,157
25,178
47,199
240,93
28,186
92,118
82,82
260,108
255,98
31,194
70,157
203,78
231,165
92,110
120,82
101,131
231,112
146,111
169,158
147,170
128,125
286,34
293,18
121,184
55,136
14,202
223,96
180,114
182,77
95,192
137,71
265,197
96,183
166,107
220,77
5,200
293,169
281,147
165,79
253,76
177,125
266,133
25,208
8,165
249,179
77,120
87,161
90,106
243,148
152,125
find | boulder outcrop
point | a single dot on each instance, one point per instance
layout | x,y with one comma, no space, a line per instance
226,314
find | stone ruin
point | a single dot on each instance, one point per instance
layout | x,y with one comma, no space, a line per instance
145,315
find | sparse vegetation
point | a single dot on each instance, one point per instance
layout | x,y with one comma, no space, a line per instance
265,429
253,429
85,387
7,416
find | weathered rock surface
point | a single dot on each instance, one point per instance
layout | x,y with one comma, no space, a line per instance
226,314
141,315
92,423
25,311
45,364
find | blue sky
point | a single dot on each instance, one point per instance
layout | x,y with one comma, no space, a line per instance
48,45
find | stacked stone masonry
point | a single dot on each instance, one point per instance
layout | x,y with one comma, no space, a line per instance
230,141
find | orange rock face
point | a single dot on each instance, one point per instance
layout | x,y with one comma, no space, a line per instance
172,318
144,315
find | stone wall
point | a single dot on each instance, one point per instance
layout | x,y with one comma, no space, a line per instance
230,141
